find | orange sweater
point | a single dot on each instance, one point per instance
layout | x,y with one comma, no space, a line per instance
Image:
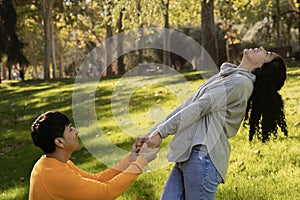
52,179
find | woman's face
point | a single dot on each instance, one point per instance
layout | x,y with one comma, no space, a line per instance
259,56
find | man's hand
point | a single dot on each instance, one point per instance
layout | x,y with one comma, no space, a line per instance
140,141
136,147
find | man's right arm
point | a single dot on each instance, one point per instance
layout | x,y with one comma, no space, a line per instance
70,184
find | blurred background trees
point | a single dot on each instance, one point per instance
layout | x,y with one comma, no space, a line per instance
10,45
50,38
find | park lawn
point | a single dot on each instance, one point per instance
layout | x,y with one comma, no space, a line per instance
256,170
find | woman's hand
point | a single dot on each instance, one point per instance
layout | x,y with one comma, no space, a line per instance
154,140
148,153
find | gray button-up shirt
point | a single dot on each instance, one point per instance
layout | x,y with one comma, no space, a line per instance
211,116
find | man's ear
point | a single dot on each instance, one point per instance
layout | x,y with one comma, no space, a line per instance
59,142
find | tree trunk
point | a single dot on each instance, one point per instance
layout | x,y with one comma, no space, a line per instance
208,37
228,50
60,64
121,67
277,23
0,73
108,51
22,73
298,1
35,73
109,33
9,71
166,54
140,51
53,52
46,6
4,68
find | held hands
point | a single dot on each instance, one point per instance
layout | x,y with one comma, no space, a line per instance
147,147
148,153
154,140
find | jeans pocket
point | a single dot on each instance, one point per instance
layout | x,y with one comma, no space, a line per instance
213,178
202,152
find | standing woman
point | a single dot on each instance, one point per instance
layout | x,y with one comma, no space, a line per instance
203,124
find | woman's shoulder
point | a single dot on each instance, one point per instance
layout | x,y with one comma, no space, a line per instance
236,79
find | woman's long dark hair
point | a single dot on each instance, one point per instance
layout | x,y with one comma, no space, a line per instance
264,111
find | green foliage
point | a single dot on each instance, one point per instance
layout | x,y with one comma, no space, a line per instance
78,25
30,29
10,45
259,16
256,170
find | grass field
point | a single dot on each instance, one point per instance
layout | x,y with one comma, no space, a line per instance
256,170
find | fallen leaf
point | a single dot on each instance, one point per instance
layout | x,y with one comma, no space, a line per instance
5,122
21,180
6,149
256,151
297,123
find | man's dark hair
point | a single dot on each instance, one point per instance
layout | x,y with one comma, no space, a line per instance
264,112
46,128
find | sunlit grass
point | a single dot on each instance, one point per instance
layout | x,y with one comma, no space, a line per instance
17,192
256,170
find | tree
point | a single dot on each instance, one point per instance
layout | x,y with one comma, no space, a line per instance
208,31
121,67
77,24
79,31
226,22
46,8
109,34
140,25
10,45
277,22
166,54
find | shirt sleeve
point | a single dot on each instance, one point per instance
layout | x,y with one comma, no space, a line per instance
216,97
70,184
106,174
155,129
186,116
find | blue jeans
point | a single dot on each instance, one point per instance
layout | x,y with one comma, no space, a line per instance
194,179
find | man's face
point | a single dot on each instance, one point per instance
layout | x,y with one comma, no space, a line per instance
71,138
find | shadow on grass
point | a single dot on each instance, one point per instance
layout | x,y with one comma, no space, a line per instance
143,190
22,102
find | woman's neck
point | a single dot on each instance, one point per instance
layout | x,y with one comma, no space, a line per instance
247,65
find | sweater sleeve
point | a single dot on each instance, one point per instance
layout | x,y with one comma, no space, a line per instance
217,96
155,129
70,184
107,174
185,116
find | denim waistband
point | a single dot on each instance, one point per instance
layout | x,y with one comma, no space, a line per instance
198,146
201,149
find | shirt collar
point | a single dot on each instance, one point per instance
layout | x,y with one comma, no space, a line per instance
229,68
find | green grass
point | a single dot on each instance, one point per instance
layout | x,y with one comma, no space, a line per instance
256,170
